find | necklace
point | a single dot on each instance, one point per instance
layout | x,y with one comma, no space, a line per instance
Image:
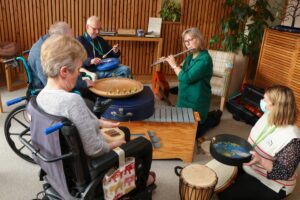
98,48
265,132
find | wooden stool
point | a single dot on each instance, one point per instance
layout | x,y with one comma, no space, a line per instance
12,83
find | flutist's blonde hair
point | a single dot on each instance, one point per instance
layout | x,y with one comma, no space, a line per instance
195,33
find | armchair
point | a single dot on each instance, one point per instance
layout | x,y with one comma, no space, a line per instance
222,67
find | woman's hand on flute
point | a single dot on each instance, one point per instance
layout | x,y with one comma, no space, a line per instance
171,60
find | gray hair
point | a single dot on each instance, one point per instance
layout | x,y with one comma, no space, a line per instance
61,28
91,19
58,51
195,32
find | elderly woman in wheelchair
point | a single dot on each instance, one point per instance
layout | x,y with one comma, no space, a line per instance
75,168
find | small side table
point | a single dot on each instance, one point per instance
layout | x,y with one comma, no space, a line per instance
12,83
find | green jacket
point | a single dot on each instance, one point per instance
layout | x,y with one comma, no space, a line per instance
194,84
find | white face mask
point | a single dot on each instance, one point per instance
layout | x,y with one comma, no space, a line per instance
263,106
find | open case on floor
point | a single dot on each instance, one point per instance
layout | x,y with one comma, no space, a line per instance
245,105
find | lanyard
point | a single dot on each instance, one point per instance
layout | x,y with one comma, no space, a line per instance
98,49
263,135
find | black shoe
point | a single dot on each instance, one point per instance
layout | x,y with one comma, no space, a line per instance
101,106
213,118
174,90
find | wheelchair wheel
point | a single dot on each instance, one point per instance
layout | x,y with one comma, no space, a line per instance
16,123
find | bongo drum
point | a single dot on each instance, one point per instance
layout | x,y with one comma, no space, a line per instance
197,182
226,174
112,134
108,64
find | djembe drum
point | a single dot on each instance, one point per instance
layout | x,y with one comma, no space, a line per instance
197,182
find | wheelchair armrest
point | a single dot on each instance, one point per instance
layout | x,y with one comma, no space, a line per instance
111,158
37,151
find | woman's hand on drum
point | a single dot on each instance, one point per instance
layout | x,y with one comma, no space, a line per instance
96,61
116,144
116,48
257,159
108,124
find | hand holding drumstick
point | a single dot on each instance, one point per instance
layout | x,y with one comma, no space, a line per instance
115,48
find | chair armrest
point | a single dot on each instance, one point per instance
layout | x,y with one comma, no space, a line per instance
111,159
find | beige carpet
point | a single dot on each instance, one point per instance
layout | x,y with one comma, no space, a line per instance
19,179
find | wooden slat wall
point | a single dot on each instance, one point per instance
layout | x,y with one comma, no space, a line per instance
27,20
279,62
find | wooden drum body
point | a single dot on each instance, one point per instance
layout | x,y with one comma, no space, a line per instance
197,182
174,127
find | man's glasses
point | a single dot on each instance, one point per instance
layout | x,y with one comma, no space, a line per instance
94,28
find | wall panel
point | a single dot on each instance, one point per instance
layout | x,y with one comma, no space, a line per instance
27,20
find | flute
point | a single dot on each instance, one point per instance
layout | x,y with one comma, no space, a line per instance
161,61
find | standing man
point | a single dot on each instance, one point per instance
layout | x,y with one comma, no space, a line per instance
96,47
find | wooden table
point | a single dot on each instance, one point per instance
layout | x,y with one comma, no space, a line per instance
177,139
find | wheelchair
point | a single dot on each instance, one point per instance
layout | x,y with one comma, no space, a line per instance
17,121
57,148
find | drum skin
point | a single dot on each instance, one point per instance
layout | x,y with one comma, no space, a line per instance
108,64
197,182
139,106
227,159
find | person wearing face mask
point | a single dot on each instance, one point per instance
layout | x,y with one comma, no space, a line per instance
194,75
275,139
96,47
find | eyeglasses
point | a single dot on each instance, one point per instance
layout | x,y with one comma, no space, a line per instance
188,40
95,28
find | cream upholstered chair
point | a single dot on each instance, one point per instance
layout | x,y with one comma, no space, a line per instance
222,67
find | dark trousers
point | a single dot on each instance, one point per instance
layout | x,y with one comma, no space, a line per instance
246,187
126,132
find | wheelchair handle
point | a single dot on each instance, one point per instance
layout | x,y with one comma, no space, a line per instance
14,101
37,153
53,128
26,52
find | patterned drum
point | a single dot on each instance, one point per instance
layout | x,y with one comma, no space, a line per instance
197,182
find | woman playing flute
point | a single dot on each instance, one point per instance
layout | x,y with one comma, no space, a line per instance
194,77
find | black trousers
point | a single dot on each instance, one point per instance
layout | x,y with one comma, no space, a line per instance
247,187
126,132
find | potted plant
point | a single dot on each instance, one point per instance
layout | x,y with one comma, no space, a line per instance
170,11
243,29
288,16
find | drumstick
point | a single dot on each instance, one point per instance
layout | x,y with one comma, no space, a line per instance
160,61
104,56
